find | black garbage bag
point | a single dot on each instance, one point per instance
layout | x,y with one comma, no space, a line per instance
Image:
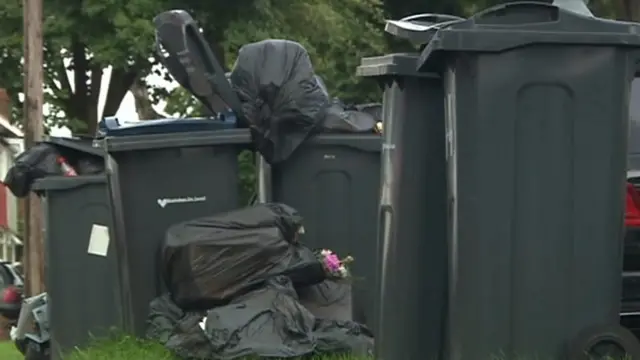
41,161
209,261
270,322
280,95
329,300
283,100
177,330
340,337
35,163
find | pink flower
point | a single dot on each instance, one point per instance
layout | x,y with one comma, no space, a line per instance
332,262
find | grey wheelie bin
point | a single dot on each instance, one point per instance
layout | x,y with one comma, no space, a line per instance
158,180
80,262
333,180
413,204
537,105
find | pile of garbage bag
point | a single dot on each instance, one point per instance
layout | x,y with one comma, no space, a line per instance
240,284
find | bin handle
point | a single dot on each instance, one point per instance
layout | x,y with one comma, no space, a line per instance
525,7
431,18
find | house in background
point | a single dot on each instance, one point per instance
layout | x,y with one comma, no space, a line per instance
11,144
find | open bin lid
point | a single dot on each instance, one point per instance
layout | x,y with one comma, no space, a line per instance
519,24
187,56
112,126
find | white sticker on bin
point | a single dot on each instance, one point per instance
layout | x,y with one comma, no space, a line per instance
99,240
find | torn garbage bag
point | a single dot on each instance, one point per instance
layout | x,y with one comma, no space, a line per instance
270,322
284,101
209,261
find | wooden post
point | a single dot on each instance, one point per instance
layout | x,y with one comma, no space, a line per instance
33,131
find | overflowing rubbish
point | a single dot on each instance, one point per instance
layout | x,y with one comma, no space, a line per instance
283,100
267,322
241,284
209,261
52,157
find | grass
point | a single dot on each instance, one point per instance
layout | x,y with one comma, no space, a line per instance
126,349
9,352
123,349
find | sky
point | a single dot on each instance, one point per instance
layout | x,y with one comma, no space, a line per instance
127,111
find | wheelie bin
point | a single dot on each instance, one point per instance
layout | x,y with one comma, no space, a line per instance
80,261
412,219
155,181
537,105
333,180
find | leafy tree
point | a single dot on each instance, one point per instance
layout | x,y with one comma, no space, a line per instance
87,36
336,33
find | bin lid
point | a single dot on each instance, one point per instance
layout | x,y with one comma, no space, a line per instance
402,64
79,144
53,183
189,59
518,24
112,126
419,28
177,140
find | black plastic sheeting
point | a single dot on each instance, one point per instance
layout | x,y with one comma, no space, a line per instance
211,260
284,102
267,322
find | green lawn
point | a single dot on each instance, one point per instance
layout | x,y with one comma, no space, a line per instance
9,352
127,349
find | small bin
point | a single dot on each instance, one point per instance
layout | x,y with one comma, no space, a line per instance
158,180
333,180
413,210
81,264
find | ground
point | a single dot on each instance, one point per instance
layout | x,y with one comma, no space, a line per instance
123,350
9,352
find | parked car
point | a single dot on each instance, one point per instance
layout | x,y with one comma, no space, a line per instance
11,291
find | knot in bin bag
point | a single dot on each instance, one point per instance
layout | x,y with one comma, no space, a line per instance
280,95
211,260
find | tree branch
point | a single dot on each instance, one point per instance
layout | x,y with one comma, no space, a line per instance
121,82
143,103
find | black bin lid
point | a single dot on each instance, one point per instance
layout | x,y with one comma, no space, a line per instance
401,64
519,24
189,58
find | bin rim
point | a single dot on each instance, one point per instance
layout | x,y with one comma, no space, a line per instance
68,182
564,27
114,144
74,145
370,142
396,64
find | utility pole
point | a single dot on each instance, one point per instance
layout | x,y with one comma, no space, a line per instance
33,131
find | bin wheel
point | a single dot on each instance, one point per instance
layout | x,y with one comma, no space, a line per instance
604,342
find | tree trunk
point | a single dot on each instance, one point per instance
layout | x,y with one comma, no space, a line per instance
143,102
630,10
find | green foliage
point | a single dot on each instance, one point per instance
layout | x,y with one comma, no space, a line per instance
88,35
336,33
